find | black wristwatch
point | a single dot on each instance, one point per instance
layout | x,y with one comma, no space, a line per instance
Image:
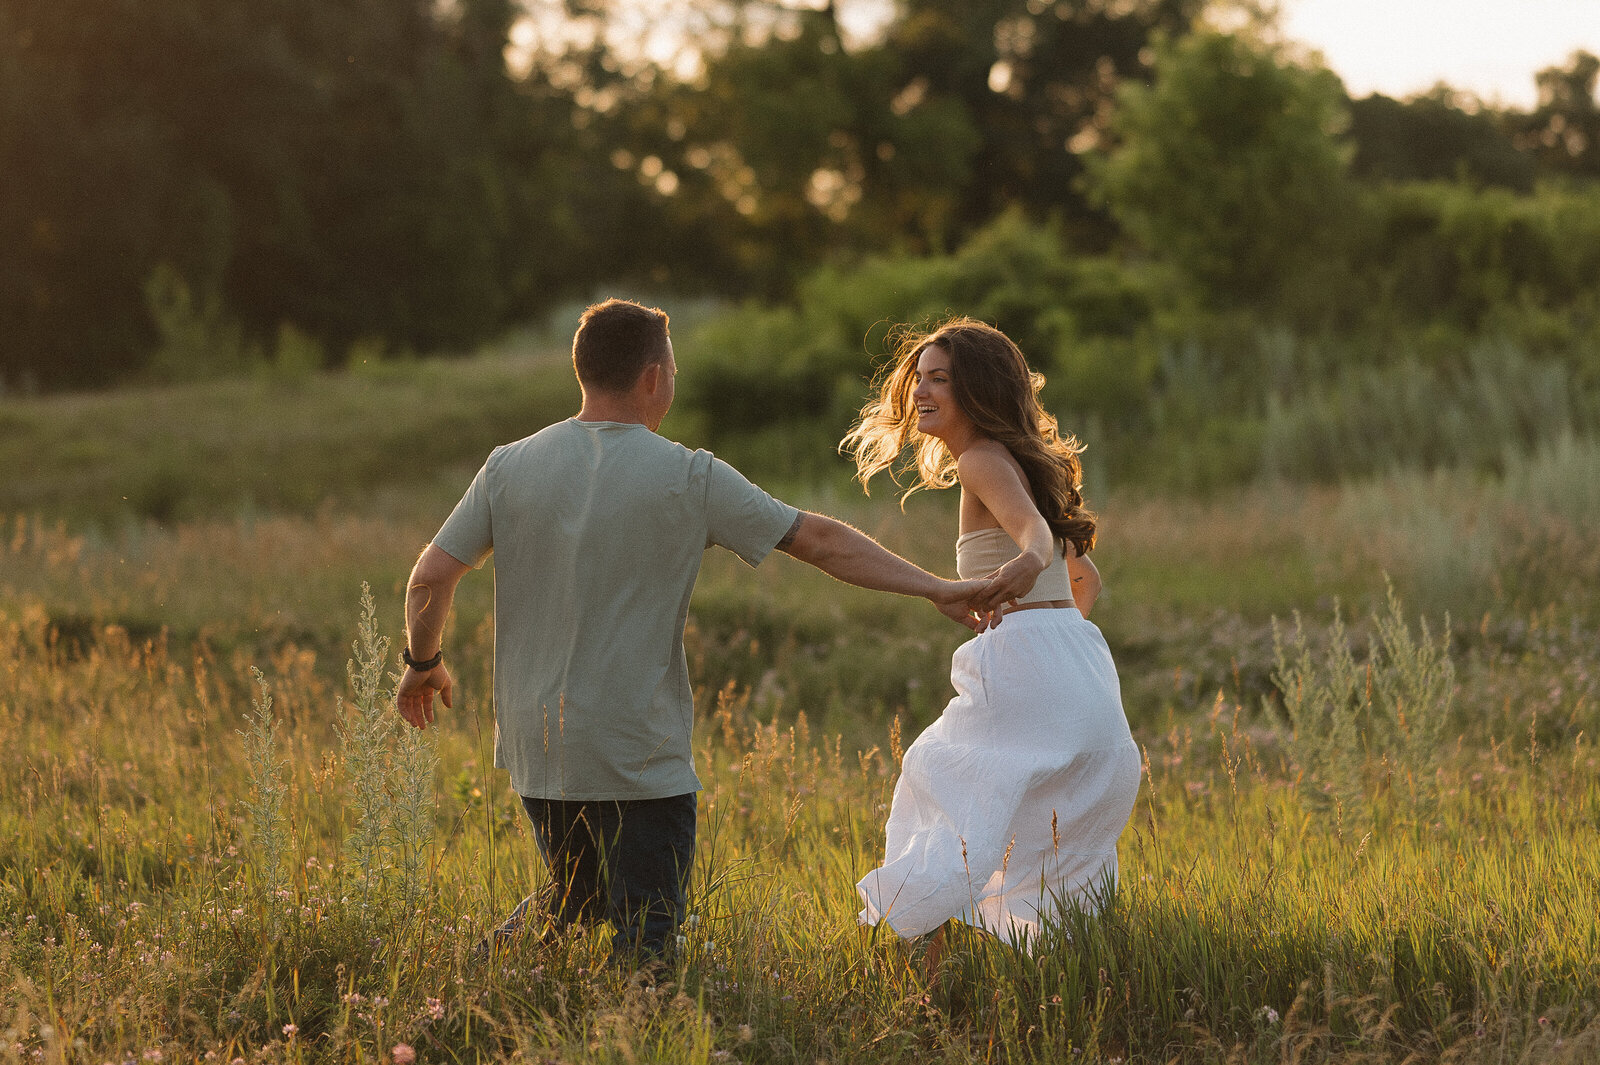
421,667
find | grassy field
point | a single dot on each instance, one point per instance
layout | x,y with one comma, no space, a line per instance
1368,836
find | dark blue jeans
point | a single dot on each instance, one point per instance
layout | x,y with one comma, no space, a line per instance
626,862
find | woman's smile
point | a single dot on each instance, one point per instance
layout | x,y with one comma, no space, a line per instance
938,412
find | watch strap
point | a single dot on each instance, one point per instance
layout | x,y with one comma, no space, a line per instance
421,666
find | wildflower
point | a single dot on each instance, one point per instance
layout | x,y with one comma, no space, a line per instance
153,1054
746,1033
291,1030
403,1054
1269,1014
436,1009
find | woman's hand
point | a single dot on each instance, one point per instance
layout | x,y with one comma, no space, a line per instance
992,476
1012,581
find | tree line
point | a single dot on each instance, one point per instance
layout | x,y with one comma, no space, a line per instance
190,185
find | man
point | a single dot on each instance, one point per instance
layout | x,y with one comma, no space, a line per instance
598,525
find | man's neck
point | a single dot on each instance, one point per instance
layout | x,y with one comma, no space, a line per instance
599,407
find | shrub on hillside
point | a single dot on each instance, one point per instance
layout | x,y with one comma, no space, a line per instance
806,367
1483,259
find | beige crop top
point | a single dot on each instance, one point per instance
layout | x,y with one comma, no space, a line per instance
982,551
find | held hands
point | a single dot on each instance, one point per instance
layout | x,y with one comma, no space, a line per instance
1009,583
957,601
414,697
979,604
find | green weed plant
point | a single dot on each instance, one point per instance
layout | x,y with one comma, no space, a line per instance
1363,722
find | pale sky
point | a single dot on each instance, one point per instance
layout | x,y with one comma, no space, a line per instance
1491,48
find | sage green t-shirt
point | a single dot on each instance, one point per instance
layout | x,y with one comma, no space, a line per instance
597,530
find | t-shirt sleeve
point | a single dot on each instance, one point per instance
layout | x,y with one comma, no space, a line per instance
467,535
743,518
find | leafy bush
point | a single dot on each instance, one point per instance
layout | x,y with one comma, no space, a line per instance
803,370
1483,259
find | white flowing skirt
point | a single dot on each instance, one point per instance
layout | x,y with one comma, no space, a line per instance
1010,805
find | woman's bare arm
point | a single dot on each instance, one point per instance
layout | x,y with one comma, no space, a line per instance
988,472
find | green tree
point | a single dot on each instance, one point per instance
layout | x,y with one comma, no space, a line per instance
1037,81
1230,167
1564,129
1435,137
354,168
802,150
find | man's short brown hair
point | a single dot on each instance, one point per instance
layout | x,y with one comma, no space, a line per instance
615,342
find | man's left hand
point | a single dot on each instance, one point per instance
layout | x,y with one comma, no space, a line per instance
414,697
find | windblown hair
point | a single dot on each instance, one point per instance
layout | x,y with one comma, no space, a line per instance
1000,394
615,341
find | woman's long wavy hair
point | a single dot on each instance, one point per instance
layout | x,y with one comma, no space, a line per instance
1000,394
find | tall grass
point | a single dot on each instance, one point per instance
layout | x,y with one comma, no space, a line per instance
1408,415
1254,922
1468,544
173,890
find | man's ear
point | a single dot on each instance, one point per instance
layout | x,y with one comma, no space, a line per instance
650,378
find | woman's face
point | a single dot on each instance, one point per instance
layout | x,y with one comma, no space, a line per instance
938,412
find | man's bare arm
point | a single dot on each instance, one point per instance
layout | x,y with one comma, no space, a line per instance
852,556
429,594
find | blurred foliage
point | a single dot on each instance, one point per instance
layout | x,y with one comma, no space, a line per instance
800,372
1482,260
1229,167
1435,137
1564,129
198,190
356,169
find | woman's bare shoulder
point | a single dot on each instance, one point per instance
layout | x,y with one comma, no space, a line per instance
987,459
985,452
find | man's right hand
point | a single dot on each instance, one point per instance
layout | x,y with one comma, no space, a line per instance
414,697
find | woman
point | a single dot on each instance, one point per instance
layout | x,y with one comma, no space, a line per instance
1010,804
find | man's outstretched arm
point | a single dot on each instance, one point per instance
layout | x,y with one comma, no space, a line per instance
852,556
429,593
